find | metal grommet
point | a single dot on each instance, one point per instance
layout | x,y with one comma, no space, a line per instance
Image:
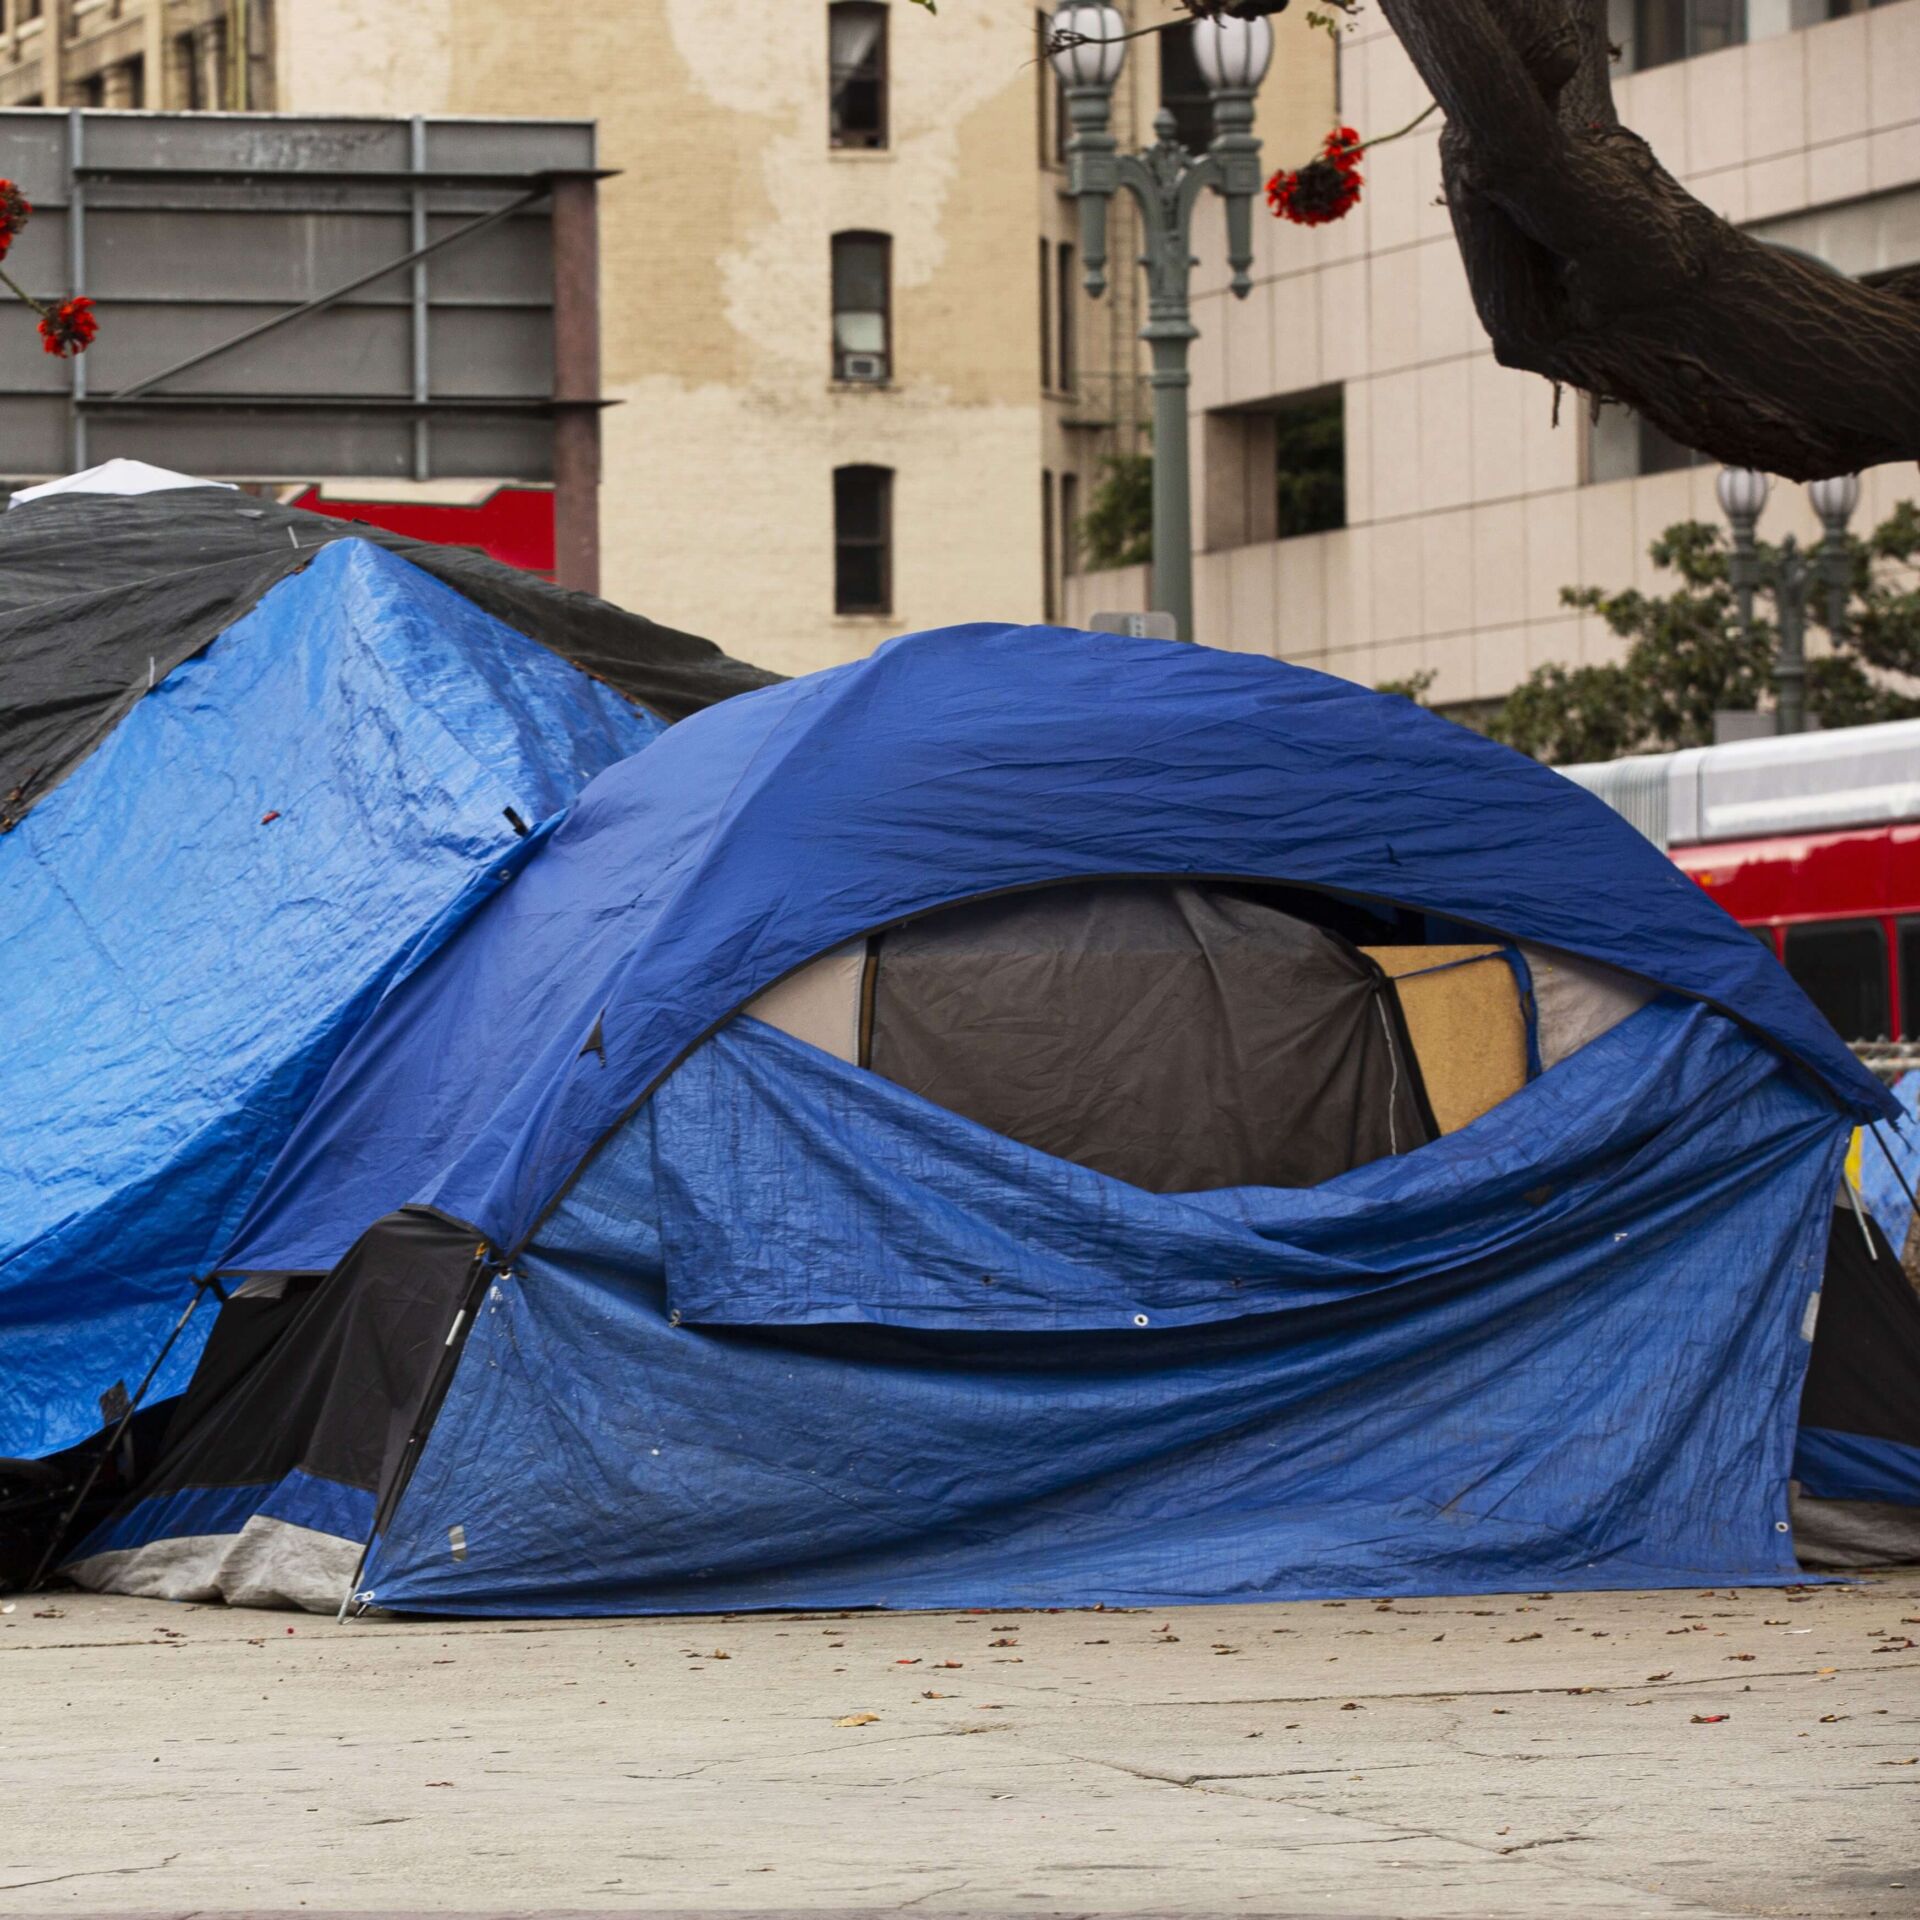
1139,1319
1780,1526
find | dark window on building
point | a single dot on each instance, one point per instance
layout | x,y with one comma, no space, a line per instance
1049,600
1842,967
1661,31
1661,453
1182,90
1069,523
199,61
1310,464
863,540
1063,306
1274,470
1910,979
1046,316
857,73
862,307
1620,444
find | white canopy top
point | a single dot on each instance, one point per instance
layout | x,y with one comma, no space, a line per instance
115,476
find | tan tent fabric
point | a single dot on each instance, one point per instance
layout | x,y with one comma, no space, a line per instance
1469,1030
820,1003
1577,1000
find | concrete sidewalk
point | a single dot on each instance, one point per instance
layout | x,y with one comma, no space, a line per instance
1664,1753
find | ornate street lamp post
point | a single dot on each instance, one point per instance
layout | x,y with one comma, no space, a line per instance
1233,56
1834,501
1743,493
1790,653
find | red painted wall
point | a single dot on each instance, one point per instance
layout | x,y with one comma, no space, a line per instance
513,524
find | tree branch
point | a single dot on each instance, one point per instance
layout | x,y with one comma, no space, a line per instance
1590,264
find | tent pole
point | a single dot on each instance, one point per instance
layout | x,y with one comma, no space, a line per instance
1853,1200
113,1440
353,1585
1873,1127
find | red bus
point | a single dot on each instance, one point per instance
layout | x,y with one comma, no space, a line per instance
1813,841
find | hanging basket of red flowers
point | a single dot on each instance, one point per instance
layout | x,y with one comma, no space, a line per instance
1326,188
15,211
67,326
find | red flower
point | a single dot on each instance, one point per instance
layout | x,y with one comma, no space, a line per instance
69,328
1324,189
15,211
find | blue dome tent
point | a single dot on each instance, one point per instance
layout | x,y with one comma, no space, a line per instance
582,1288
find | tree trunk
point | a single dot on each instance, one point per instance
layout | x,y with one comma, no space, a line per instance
1590,264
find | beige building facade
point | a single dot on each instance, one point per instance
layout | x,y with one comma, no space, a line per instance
794,465
1466,507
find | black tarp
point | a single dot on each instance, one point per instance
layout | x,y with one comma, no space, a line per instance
1178,1037
322,1379
1863,1375
1862,1385
102,594
331,1378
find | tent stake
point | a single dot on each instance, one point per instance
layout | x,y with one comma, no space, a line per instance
113,1440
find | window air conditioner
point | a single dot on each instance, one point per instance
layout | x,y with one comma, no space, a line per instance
870,367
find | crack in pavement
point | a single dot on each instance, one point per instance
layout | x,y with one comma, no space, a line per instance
1391,1832
87,1873
1504,1693
1256,1773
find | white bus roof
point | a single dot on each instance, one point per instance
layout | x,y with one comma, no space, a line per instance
1749,789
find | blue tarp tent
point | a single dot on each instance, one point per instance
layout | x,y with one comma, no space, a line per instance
700,1315
200,915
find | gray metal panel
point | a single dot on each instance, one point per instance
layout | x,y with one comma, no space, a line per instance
33,152
508,265
236,445
34,433
198,227
261,142
246,254
344,350
455,145
474,447
1635,788
490,352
